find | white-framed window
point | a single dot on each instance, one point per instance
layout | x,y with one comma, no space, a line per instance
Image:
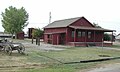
72,34
83,34
49,36
79,34
89,34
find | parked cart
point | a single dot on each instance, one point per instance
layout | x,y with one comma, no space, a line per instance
8,47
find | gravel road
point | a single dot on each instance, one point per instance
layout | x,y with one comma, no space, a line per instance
47,47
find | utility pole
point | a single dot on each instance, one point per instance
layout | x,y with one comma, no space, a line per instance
49,17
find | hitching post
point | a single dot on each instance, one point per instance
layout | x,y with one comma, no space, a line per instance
102,44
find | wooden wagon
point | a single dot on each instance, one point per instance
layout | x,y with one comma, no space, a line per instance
8,47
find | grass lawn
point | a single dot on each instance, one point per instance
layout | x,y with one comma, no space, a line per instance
53,61
77,54
115,46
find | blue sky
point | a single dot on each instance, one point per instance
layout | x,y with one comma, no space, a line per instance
104,12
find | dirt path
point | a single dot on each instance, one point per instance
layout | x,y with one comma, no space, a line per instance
43,46
107,68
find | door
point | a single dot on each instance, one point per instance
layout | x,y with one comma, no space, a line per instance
62,39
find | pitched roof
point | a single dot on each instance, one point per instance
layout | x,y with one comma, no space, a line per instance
62,23
91,28
67,22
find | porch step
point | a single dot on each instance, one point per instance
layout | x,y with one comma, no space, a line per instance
91,44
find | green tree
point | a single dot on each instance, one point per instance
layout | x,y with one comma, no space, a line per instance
96,25
106,37
37,33
14,20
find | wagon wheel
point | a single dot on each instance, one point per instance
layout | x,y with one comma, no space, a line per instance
1,48
8,49
21,49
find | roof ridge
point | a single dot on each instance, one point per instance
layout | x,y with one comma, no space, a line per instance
67,19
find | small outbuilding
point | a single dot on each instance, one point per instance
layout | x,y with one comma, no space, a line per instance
20,35
75,32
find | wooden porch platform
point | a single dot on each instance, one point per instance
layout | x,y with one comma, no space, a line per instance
86,44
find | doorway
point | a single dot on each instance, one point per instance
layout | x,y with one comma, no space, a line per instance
62,38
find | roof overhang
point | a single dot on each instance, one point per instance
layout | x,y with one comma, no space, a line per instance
92,28
55,32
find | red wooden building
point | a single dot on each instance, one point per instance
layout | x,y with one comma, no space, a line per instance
74,31
20,35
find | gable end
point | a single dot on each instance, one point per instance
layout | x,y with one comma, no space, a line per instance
83,22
